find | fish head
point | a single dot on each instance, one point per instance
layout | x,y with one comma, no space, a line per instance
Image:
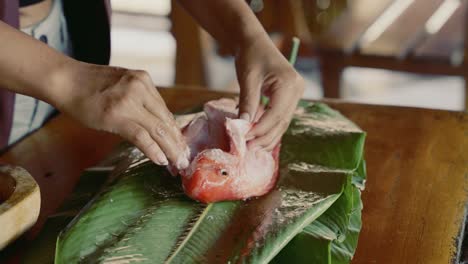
212,176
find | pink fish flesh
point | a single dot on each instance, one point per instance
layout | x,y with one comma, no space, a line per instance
222,165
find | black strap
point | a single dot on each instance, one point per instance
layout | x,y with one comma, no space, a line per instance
24,3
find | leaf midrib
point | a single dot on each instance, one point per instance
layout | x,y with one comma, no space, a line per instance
190,234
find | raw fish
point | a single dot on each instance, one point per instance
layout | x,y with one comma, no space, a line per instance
222,165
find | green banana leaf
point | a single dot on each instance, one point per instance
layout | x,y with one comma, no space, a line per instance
342,251
144,216
334,235
41,250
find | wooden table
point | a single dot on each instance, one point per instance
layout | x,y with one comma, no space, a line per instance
417,162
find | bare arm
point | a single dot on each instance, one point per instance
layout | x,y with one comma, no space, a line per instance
107,98
30,67
260,67
231,22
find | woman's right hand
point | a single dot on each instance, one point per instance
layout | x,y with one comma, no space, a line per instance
124,102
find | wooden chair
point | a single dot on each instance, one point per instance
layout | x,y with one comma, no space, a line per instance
417,36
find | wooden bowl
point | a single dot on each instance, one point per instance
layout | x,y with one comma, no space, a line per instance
20,201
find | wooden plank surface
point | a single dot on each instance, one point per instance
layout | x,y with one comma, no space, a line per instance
55,157
400,35
415,196
348,28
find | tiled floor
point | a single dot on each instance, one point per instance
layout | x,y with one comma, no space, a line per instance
144,43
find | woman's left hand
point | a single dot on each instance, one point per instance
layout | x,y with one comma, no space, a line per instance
262,69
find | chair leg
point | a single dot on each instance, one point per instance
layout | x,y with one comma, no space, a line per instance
466,93
331,77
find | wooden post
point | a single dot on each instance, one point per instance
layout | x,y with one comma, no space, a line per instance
331,70
190,57
466,91
465,60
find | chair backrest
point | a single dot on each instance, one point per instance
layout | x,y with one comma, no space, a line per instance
421,29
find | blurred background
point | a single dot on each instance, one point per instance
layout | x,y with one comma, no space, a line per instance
393,52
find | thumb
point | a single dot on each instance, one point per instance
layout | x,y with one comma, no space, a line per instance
250,91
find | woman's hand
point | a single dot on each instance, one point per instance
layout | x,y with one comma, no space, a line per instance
262,69
260,66
124,102
112,99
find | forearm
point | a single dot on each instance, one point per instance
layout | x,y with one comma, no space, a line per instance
30,67
112,99
231,22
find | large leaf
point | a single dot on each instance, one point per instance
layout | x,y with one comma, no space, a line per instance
333,237
144,215
42,248
321,136
342,250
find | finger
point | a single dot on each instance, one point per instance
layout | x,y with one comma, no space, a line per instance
138,136
162,134
144,77
260,111
250,91
274,142
269,138
153,95
278,113
159,124
160,110
156,106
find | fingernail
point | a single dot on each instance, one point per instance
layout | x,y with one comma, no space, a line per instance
245,116
162,160
182,162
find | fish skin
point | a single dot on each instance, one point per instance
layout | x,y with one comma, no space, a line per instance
222,166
